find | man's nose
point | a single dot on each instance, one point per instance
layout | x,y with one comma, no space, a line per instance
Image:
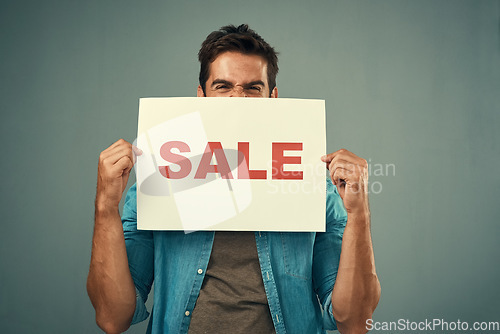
238,91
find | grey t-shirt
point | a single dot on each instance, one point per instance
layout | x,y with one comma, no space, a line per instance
232,298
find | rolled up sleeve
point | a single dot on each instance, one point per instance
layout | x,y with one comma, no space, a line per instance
140,253
327,248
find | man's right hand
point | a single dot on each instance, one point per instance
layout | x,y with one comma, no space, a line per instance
115,164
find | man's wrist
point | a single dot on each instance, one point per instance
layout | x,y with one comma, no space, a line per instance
360,216
105,208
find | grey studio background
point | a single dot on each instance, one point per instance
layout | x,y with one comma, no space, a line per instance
409,85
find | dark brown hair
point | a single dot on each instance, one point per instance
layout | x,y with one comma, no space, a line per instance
241,39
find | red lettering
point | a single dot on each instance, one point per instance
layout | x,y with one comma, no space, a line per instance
183,162
244,171
222,167
279,160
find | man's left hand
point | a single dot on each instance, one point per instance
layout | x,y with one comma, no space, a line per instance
350,174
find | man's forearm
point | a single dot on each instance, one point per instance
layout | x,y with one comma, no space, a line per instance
357,289
110,285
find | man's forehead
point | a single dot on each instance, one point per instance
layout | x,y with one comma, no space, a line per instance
238,56
233,65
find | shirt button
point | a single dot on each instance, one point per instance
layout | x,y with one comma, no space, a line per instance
200,271
187,313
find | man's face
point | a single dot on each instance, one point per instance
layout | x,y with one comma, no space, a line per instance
233,74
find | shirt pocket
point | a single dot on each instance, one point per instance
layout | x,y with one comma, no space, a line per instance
298,253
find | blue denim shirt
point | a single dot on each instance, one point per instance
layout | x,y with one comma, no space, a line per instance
298,270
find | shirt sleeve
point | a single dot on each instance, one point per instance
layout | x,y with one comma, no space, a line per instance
327,249
140,253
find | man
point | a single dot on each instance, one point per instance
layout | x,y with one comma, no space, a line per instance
234,282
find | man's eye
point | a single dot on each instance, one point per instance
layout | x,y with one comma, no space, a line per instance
256,88
221,87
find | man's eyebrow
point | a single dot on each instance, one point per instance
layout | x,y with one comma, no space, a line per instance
230,84
221,81
254,83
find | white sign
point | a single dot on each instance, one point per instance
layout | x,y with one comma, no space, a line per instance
239,164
